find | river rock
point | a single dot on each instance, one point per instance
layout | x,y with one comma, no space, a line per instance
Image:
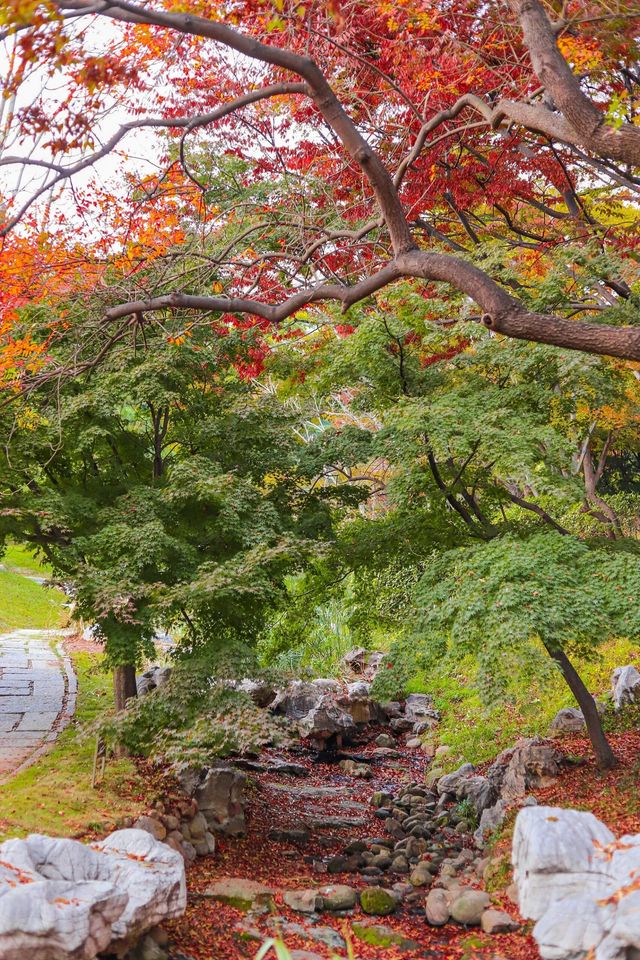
354,769
497,921
468,907
377,902
625,686
62,900
336,897
437,907
152,826
302,901
383,937
421,875
241,893
385,740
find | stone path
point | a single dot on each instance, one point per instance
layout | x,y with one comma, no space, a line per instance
37,696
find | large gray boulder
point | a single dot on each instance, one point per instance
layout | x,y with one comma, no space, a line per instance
479,791
298,699
530,765
219,792
452,781
625,686
419,706
62,900
465,784
578,883
152,679
262,693
327,719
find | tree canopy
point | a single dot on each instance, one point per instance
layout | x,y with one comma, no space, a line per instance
321,163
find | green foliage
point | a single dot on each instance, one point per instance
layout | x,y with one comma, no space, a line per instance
493,600
466,811
167,491
195,717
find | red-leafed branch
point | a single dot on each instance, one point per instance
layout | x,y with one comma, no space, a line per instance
502,313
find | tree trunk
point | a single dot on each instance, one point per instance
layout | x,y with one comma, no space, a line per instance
604,754
124,684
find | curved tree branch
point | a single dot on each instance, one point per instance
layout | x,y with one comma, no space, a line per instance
502,313
578,111
188,123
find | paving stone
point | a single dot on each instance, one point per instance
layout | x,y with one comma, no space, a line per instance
37,721
8,721
21,741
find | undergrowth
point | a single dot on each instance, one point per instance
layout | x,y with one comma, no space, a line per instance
476,732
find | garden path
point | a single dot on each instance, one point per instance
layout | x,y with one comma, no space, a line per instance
37,696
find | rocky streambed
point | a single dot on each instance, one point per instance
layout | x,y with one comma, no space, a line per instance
349,842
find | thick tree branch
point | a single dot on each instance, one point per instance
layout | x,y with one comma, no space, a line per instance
502,313
578,111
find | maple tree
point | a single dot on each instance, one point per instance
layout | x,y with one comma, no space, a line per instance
167,493
502,531
361,165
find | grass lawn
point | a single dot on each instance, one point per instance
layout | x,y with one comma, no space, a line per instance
26,604
21,560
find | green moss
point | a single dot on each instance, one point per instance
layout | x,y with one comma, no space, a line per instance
377,901
379,936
